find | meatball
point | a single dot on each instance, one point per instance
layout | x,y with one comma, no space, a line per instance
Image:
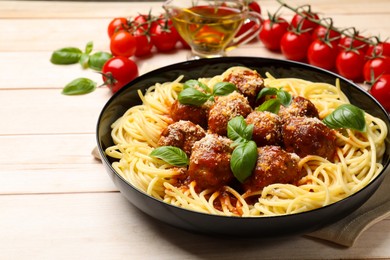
182,134
248,82
266,128
309,136
299,106
274,165
210,162
195,114
226,108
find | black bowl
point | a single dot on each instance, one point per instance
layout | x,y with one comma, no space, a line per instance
212,224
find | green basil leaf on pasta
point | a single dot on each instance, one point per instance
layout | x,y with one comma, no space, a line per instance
271,105
68,55
192,83
243,160
79,86
346,116
266,92
191,96
172,155
284,97
223,88
97,60
238,130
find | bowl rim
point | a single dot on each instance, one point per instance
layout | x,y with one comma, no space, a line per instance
237,59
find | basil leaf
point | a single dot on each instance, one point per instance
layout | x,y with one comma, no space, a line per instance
98,59
266,91
346,116
243,160
172,155
191,96
271,105
88,47
223,88
192,83
84,60
238,130
284,97
69,55
79,86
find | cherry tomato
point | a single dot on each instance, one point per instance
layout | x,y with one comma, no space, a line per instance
143,41
143,20
304,22
272,32
350,64
381,48
123,43
254,6
116,24
320,32
164,36
119,71
375,67
322,54
353,42
381,91
294,45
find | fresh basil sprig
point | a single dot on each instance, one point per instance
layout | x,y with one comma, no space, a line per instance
244,155
273,105
172,155
79,86
191,96
346,116
68,55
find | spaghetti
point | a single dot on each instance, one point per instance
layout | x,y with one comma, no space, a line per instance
137,132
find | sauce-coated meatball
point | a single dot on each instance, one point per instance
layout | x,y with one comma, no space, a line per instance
195,114
299,106
274,165
309,136
210,162
248,82
182,134
226,108
266,128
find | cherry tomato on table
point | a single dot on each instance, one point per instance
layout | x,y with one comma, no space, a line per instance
272,32
294,45
355,41
349,64
381,91
118,71
164,36
320,32
304,22
375,67
322,54
380,48
117,24
123,43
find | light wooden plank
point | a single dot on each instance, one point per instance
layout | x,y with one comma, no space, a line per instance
106,226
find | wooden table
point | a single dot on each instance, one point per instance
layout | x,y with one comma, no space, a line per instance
56,200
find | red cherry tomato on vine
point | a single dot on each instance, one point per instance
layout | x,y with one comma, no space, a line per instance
306,23
320,32
117,24
119,71
143,20
381,48
375,67
294,45
123,43
381,91
143,41
164,36
272,32
350,64
355,42
322,55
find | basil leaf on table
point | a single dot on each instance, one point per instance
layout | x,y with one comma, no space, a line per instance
172,155
88,47
97,60
79,86
346,116
84,60
68,55
243,160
